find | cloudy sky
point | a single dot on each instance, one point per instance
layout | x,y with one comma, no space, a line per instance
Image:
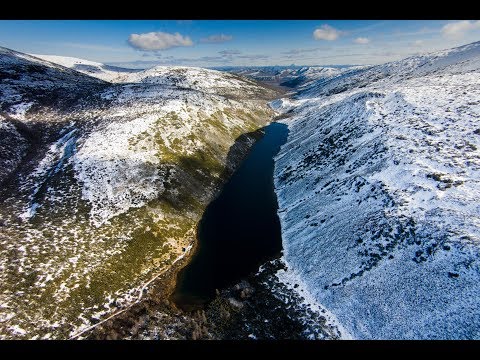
210,43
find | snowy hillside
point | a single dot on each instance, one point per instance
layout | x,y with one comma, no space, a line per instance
33,94
92,68
103,183
378,188
199,79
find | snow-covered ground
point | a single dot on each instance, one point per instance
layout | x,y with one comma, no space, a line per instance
378,188
103,182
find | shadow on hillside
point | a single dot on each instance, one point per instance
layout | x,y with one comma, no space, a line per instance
194,181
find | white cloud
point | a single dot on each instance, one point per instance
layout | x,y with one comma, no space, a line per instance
216,38
418,43
327,32
361,40
158,41
457,30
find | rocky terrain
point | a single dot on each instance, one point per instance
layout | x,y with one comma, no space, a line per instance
264,306
103,182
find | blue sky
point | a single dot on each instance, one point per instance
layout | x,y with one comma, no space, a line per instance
209,43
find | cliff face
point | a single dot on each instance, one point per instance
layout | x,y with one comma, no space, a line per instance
103,183
378,188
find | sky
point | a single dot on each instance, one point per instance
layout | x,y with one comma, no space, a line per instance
214,43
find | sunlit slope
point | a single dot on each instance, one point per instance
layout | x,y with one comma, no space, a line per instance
378,188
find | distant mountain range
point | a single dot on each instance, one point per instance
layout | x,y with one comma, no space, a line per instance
286,76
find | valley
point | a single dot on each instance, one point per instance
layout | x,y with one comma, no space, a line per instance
248,203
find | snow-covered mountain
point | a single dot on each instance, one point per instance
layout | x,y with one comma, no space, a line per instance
178,76
92,68
103,182
378,188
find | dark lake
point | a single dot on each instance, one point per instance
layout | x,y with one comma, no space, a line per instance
239,230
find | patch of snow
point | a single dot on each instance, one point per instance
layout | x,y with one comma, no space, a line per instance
17,330
56,157
30,211
19,110
116,177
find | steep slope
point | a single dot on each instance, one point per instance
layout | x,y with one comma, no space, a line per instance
101,71
36,95
377,188
106,184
